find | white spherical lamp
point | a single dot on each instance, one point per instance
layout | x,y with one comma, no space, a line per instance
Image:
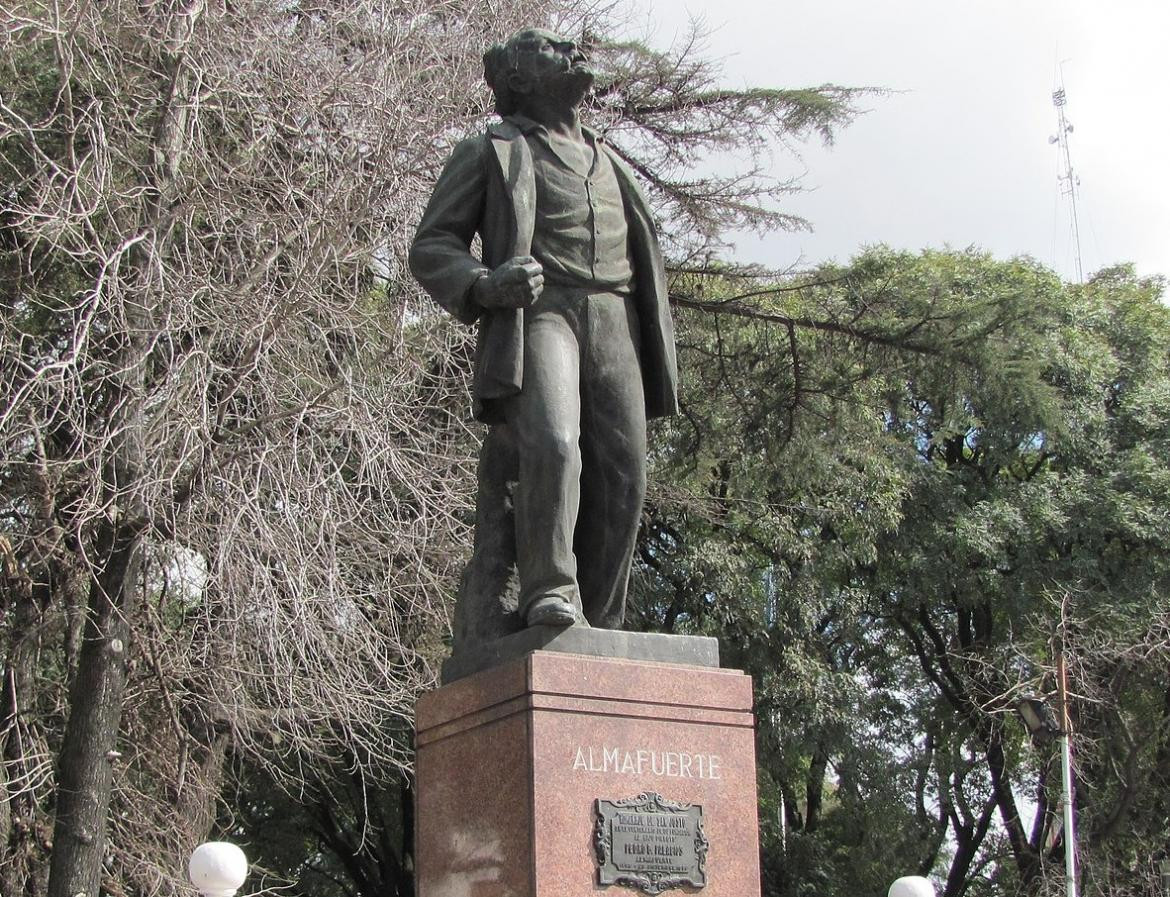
911,886
217,869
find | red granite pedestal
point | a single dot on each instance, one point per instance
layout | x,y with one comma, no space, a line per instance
512,761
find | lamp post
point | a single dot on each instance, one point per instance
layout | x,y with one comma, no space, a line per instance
1070,836
911,886
1038,717
217,869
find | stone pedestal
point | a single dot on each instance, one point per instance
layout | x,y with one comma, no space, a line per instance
513,761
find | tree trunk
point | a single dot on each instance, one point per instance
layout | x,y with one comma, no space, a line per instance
22,742
968,839
21,852
406,800
85,779
814,791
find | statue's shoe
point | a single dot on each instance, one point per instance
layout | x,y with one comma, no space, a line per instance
552,611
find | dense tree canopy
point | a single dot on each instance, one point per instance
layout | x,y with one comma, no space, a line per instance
896,489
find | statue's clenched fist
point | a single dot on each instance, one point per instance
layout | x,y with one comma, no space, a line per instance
515,284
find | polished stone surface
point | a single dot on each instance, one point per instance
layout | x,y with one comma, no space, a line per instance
512,761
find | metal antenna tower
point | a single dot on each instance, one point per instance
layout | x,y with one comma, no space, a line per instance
1068,179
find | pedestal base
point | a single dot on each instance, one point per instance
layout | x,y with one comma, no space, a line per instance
512,763
688,650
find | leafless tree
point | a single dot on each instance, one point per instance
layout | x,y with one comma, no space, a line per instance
236,463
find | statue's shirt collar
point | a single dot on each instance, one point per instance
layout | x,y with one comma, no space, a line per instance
529,128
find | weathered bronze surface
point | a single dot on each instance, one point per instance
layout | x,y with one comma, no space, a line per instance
650,843
575,347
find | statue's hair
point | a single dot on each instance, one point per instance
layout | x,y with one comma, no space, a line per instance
496,68
499,62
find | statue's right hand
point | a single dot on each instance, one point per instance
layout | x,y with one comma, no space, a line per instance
515,284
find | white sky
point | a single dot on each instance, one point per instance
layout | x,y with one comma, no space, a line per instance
961,155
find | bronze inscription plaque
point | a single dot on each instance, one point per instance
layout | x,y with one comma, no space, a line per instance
650,843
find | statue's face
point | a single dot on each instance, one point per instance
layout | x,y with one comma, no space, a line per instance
550,64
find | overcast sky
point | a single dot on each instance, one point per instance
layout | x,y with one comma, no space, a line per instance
960,155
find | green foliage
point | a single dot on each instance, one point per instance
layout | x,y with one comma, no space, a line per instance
896,486
340,835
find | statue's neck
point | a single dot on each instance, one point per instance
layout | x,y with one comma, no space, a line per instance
559,118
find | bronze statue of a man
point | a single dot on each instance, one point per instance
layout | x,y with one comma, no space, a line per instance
575,346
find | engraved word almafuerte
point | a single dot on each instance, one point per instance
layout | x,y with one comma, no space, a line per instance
623,761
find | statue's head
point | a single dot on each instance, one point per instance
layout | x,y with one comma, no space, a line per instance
536,61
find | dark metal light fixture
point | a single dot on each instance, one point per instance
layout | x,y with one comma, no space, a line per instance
1038,717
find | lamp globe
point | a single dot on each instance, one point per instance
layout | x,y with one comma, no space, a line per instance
911,886
217,869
